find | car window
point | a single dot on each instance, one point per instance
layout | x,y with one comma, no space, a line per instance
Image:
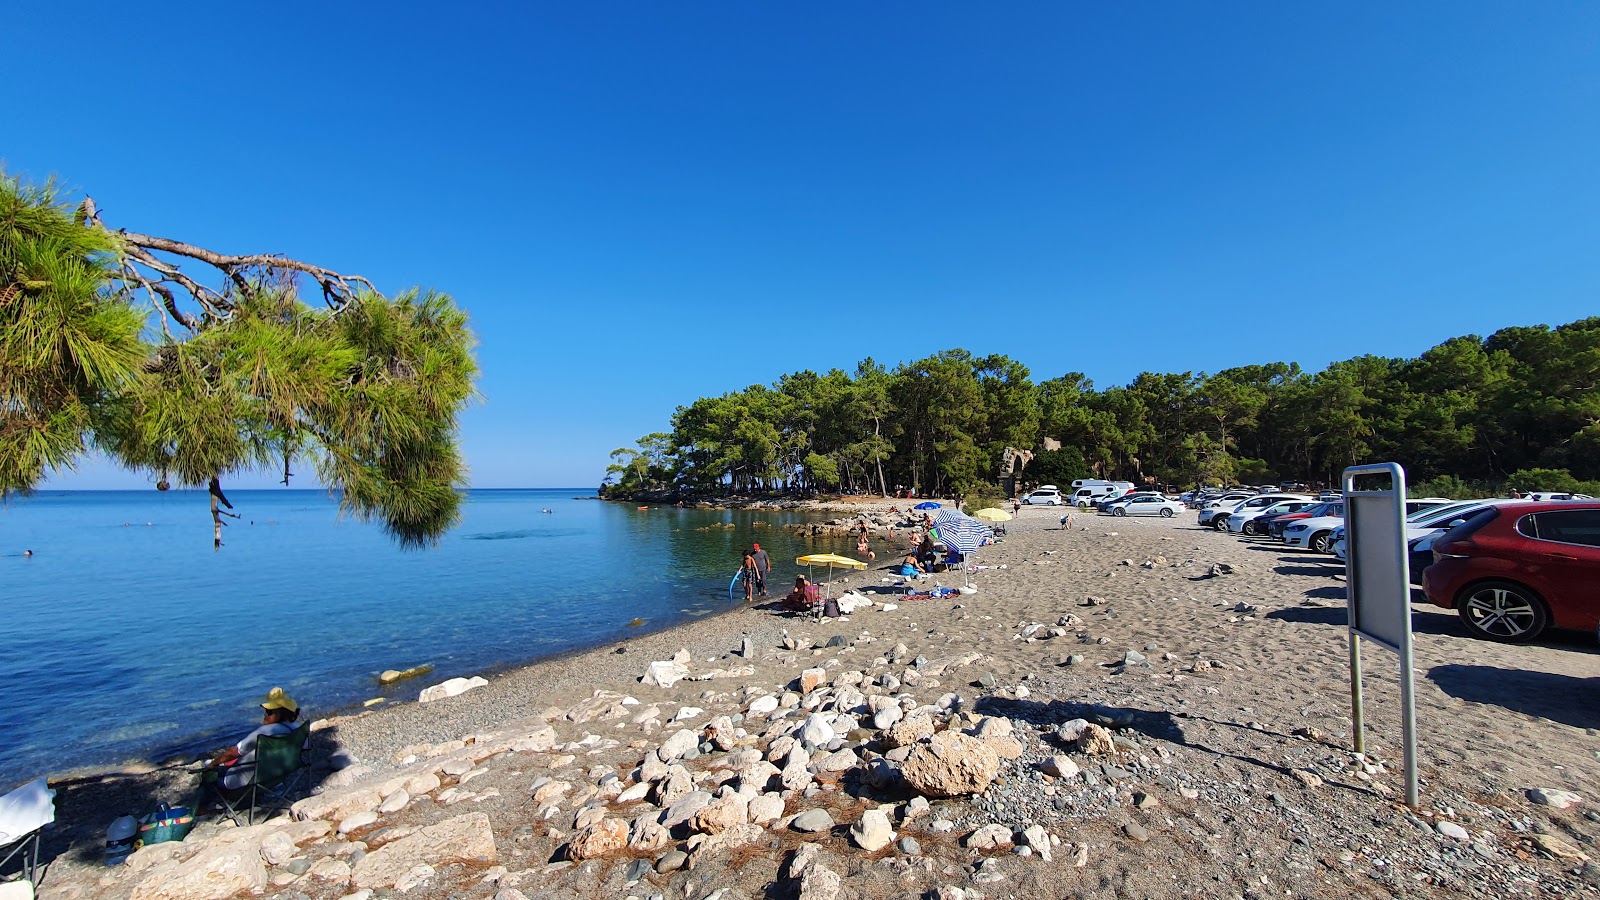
1568,526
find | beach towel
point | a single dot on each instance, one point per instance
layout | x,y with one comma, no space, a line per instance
26,810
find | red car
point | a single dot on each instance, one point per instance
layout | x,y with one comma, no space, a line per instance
1514,570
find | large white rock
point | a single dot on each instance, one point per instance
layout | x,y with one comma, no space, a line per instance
762,706
215,873
665,673
452,688
873,832
676,746
817,730
951,764
466,839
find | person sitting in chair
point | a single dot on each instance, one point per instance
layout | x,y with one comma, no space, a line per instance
230,771
804,596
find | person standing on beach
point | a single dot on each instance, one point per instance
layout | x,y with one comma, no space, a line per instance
763,567
749,572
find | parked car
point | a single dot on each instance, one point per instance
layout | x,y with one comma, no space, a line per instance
1245,520
1048,495
1278,524
1515,569
1219,519
1104,502
1557,495
1330,495
1144,505
1315,533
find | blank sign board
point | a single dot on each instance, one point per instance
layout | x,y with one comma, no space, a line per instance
1375,545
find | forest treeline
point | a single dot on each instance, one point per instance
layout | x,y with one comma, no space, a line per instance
1520,408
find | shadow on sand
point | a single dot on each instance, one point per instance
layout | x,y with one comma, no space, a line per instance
1547,695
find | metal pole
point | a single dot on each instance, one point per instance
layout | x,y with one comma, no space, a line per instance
1357,728
1408,721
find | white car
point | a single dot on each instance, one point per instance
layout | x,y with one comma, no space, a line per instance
1144,505
1556,495
1218,518
1045,496
1429,520
1243,520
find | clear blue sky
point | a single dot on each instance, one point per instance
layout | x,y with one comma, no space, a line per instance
644,203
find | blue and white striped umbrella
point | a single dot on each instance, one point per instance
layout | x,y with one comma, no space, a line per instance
961,532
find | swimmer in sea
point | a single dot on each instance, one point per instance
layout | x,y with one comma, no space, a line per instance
27,553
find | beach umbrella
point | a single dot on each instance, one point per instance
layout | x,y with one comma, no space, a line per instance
992,514
961,533
831,560
928,504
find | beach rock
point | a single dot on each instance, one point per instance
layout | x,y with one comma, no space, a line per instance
820,883
216,872
762,706
908,731
648,835
536,741
671,861
747,648
276,850
989,837
1453,831
1307,778
395,802
466,839
415,877
811,679
873,832
950,764
816,731
910,846
1096,741
357,821
452,688
677,745
886,717
421,785
685,807
336,805
1558,847
664,673
765,808
330,868
837,761
1554,797
1060,766
1036,838
599,839
720,815
674,786
390,676
1136,832
546,790
720,733
812,821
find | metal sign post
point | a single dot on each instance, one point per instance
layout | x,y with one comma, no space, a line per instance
1379,585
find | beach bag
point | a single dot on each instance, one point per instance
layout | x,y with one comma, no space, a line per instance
167,823
831,608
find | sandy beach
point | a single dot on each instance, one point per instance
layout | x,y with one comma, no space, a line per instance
1230,773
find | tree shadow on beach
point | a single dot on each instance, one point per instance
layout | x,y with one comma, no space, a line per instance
86,805
1560,698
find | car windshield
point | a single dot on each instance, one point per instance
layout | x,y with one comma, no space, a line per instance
1436,514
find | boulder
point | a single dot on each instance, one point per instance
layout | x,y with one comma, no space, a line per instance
1553,797
216,872
951,764
765,808
674,786
908,731
1096,741
873,832
648,835
395,802
464,839
886,717
721,815
418,785
812,821
599,839
816,732
1037,839
762,706
811,679
536,741
684,808
452,688
989,837
677,745
1060,766
665,673
336,805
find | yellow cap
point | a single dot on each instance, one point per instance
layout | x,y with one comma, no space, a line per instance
277,699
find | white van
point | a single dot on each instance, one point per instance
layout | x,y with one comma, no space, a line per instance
1088,490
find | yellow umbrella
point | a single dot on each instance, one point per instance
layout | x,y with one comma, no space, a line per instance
830,560
992,515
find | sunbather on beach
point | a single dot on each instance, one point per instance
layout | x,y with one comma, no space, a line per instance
911,566
230,771
804,596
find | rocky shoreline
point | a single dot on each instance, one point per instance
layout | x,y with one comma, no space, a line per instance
1105,716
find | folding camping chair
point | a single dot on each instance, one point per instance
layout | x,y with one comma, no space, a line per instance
280,770
23,814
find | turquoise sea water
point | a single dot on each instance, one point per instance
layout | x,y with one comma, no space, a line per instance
125,636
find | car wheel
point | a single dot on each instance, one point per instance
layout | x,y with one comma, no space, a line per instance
1119,511
1083,504
1502,611
1249,528
1166,512
1219,524
1322,541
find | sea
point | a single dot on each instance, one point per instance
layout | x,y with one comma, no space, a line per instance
126,637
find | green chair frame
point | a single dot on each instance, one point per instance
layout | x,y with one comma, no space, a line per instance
280,770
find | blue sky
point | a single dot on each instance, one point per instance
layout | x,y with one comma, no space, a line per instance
641,204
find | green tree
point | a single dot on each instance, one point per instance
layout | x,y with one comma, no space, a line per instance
211,383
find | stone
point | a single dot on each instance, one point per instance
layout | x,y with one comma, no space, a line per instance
873,832
330,868
276,850
1035,838
1558,847
684,808
414,877
816,732
1069,731
1136,832
916,806
909,846
989,837
811,679
747,648
547,790
648,835
765,808
677,783
1096,741
1059,766
671,861
336,805
812,821
536,741
297,866
452,688
886,717
456,768
420,785
665,673
950,764
597,840
215,873
762,706
1453,831
1553,797
837,761
467,839
1004,746
720,815
395,802
908,731
1307,778
677,745
357,821
820,883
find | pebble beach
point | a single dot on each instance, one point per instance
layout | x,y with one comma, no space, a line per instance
1125,707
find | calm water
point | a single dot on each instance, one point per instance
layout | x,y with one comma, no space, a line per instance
126,636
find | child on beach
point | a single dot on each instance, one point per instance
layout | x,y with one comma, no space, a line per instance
749,573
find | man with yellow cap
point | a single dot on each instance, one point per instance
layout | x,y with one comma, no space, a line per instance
235,766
